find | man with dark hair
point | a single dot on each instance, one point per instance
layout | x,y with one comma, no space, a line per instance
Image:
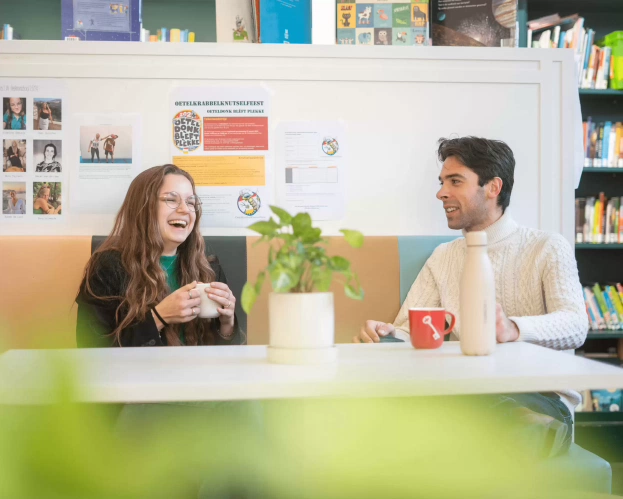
538,293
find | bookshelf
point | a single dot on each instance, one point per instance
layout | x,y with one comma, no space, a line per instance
599,432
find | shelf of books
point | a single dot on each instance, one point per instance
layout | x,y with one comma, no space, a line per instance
596,70
599,222
604,305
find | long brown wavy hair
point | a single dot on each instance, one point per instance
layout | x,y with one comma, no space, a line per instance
136,237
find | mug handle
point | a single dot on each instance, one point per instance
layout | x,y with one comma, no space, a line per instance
452,323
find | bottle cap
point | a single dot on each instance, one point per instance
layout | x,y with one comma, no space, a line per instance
478,238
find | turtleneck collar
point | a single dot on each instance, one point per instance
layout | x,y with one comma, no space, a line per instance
500,229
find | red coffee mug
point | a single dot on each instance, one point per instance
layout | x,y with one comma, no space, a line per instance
427,326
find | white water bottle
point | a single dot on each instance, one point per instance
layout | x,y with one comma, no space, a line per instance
477,298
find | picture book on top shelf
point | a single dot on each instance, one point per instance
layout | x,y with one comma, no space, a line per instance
475,23
286,21
101,20
392,22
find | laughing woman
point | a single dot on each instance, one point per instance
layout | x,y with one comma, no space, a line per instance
139,287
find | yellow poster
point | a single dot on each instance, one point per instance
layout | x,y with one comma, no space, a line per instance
224,171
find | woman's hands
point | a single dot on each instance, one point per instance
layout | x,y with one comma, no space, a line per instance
221,294
180,306
184,304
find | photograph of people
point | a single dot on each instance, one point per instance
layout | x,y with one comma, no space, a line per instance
47,156
113,141
109,147
14,159
47,198
14,198
153,300
14,113
94,148
46,114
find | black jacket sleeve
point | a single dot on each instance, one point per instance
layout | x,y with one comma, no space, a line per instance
239,337
97,317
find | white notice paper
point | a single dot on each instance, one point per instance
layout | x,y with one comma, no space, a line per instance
311,159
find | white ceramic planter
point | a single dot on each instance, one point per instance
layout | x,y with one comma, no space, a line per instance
301,328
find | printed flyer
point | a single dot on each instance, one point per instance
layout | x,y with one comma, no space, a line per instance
220,136
34,169
312,168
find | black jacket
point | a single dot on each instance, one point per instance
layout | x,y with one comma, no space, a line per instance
96,317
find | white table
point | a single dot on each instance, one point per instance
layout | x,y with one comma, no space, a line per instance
170,374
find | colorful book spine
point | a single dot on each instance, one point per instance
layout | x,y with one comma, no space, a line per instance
603,307
616,301
596,313
614,318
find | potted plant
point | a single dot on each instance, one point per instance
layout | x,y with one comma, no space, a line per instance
301,312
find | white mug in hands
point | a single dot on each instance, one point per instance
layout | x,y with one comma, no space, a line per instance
208,307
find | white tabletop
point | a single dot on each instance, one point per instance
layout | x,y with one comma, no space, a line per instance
169,374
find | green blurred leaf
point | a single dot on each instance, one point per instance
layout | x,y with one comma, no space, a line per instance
339,263
268,228
271,255
353,293
294,261
300,223
259,283
248,296
283,279
311,235
284,217
322,278
353,237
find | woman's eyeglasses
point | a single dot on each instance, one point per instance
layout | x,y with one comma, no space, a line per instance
173,201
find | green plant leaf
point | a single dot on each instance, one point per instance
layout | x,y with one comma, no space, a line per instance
353,237
300,223
322,278
248,297
268,228
260,282
353,293
311,235
283,279
284,217
294,260
339,263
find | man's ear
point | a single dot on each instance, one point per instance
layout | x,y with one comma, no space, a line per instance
494,187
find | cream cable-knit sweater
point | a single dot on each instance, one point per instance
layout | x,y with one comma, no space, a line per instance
536,282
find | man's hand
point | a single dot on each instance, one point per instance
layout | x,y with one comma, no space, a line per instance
505,329
372,330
